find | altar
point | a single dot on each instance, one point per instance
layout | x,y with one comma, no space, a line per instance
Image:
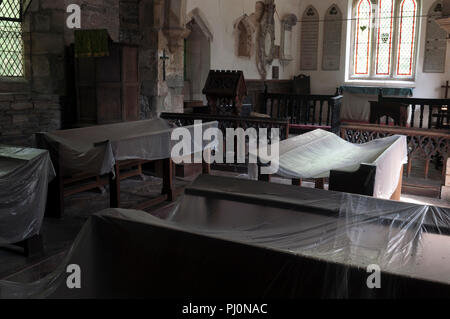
356,101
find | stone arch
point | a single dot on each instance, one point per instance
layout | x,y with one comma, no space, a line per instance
244,36
197,56
197,16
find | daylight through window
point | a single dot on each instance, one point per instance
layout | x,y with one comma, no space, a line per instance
11,43
384,39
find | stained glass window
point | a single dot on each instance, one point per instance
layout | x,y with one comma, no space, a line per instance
407,36
363,34
11,43
384,39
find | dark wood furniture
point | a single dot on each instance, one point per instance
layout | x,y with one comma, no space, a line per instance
305,112
225,91
362,182
107,88
398,112
302,84
436,111
229,121
63,186
257,89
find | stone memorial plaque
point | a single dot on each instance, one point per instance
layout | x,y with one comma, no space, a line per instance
435,42
310,39
332,35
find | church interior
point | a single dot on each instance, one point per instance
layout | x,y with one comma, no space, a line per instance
317,164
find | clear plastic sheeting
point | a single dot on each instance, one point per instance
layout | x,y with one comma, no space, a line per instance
244,239
24,177
316,153
96,149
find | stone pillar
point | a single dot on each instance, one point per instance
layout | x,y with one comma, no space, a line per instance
446,188
173,34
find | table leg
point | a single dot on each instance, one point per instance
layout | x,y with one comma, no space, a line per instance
263,177
398,192
207,162
320,183
114,188
55,194
168,188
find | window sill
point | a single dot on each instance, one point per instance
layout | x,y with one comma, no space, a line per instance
380,83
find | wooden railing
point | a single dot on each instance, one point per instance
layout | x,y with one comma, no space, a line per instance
230,121
425,143
226,121
425,113
317,111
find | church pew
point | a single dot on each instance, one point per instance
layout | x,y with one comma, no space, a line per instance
373,169
295,243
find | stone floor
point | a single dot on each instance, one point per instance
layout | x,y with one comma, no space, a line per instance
58,234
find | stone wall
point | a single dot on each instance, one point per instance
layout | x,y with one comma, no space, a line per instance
22,115
129,22
34,104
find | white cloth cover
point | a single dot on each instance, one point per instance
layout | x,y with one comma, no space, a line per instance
96,149
24,177
316,153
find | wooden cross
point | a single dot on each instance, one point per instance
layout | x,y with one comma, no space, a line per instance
164,58
446,87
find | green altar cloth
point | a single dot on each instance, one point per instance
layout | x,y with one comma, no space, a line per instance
373,90
91,43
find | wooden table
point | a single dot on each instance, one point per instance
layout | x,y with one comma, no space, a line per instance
108,154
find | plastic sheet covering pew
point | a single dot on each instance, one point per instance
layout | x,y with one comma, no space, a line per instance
372,169
245,239
97,151
24,177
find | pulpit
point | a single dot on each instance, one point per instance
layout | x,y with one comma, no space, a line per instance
225,92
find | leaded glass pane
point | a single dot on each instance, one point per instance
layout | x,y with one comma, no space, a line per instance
10,9
11,49
363,34
407,29
384,37
11,43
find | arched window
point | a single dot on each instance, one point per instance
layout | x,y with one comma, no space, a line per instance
384,37
11,42
407,37
363,36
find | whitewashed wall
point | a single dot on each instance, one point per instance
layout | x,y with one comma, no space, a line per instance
221,17
427,85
